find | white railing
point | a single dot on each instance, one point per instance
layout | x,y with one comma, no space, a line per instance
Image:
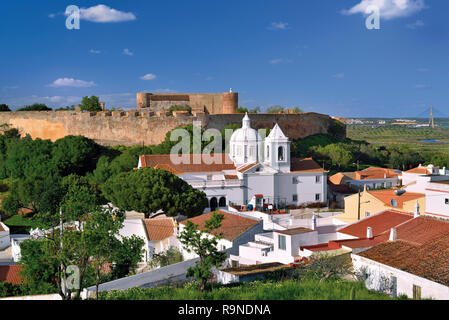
215,183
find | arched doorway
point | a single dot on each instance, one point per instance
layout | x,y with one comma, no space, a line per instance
222,202
213,204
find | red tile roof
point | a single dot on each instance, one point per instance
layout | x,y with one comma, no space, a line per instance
232,225
11,274
159,229
342,177
430,260
340,188
375,173
231,177
379,223
305,165
419,170
387,195
1,227
164,162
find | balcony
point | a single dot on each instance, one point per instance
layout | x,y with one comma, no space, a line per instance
214,183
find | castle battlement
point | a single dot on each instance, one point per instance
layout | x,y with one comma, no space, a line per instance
150,127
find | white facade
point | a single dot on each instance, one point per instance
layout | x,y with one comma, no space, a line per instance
5,240
397,282
437,199
262,167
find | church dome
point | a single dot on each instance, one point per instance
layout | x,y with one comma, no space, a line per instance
246,144
246,133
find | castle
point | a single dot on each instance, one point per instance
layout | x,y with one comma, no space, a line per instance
151,121
211,103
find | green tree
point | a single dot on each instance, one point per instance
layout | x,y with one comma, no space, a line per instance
149,190
75,154
204,244
91,104
275,109
4,108
26,157
35,107
126,254
170,256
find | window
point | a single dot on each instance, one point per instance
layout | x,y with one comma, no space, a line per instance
282,243
234,263
295,198
268,152
281,154
252,151
295,180
446,201
416,292
318,179
317,197
367,214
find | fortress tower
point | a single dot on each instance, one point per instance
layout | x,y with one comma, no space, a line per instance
211,103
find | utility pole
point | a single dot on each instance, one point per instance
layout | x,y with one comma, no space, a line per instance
358,215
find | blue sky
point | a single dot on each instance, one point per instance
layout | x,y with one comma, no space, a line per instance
310,54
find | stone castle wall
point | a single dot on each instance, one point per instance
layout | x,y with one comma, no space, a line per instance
212,103
150,128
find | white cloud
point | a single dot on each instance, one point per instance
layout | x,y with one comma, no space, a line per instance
52,15
280,60
422,86
389,9
278,26
163,91
338,75
95,51
128,52
415,25
70,82
105,14
148,76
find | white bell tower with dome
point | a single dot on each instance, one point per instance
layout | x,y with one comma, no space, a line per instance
246,144
277,150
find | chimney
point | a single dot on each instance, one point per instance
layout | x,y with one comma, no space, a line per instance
393,234
417,213
369,233
314,222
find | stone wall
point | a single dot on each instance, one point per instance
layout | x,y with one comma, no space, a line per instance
150,128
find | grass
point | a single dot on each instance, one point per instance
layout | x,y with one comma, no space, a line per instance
282,290
19,224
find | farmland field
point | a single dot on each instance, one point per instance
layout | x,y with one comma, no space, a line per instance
414,137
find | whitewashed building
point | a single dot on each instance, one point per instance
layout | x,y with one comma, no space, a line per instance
5,240
255,168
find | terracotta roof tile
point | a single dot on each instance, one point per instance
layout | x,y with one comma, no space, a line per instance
11,274
164,162
430,261
376,173
387,195
159,229
231,177
380,223
305,165
247,167
232,225
418,170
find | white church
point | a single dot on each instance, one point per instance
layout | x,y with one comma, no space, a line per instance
257,172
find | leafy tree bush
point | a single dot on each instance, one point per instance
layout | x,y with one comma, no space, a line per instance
75,154
275,109
91,104
180,108
204,244
171,256
35,107
4,108
126,254
149,190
